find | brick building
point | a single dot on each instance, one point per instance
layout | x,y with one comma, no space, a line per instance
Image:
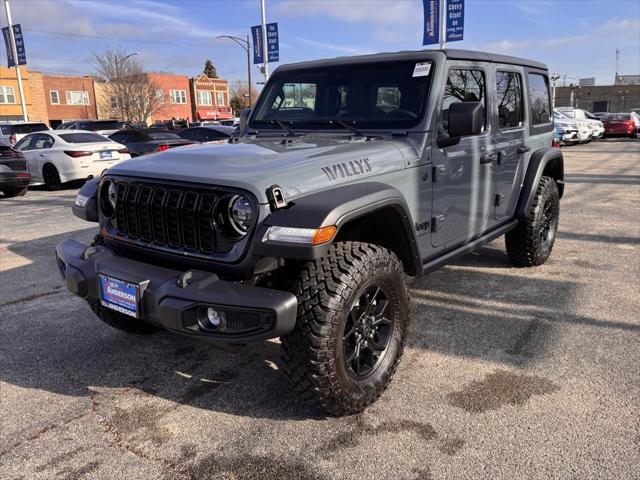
603,98
69,98
10,103
174,100
172,95
210,98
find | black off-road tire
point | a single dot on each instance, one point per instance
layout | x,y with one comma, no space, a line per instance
122,322
10,192
531,242
328,291
51,177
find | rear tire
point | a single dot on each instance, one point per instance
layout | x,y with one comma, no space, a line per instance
51,177
352,323
11,192
531,242
122,322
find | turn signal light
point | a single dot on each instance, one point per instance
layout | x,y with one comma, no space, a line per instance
323,235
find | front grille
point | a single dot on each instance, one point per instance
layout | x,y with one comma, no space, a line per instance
170,216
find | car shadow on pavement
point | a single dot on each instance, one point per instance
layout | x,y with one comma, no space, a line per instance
52,341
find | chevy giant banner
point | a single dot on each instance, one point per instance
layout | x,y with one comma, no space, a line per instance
455,20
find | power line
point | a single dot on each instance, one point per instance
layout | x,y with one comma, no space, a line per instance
97,37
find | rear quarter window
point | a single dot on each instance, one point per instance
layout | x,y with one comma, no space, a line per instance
539,101
29,128
83,138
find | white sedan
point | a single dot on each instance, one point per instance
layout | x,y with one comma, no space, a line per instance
56,157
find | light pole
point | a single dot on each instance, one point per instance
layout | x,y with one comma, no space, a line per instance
265,50
554,79
14,51
246,46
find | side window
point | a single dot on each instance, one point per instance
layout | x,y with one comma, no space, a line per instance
509,101
463,86
539,99
120,137
41,142
189,134
24,144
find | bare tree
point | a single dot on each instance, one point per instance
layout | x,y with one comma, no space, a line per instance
239,96
129,93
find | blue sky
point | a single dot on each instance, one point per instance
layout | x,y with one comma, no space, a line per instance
574,37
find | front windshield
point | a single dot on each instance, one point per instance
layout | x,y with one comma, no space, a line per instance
381,95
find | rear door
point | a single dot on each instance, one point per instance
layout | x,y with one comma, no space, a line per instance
510,128
463,173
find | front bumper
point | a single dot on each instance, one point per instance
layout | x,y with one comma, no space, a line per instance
169,301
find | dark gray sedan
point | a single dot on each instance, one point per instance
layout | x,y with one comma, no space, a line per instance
148,140
207,133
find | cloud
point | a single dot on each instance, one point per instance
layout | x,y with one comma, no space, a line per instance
378,12
560,41
505,46
333,47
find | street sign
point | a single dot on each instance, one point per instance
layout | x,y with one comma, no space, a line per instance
273,48
20,48
431,30
455,20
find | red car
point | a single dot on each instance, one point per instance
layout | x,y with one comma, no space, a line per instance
619,124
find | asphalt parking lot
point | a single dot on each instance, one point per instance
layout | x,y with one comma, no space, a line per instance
509,373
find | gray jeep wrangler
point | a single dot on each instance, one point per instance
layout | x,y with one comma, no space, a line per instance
349,176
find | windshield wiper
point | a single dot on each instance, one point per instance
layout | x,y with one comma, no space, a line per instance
287,130
333,121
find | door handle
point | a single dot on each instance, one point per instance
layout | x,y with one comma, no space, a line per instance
523,149
488,158
43,155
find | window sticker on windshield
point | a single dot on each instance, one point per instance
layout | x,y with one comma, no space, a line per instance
422,69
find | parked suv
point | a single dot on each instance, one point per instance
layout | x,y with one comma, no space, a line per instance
102,127
11,133
350,175
596,126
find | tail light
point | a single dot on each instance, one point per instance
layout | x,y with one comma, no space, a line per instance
555,143
13,139
162,148
123,150
78,154
11,153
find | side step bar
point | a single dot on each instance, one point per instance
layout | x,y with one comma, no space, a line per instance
435,264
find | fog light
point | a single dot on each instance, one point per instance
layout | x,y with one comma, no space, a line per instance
210,319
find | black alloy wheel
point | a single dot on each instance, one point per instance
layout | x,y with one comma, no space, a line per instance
368,330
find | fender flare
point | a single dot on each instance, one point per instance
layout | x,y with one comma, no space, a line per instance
337,206
539,161
89,212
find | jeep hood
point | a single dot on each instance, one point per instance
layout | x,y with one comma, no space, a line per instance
299,165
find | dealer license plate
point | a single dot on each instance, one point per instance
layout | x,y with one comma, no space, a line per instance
119,295
106,154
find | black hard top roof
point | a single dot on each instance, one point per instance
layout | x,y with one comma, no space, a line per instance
417,55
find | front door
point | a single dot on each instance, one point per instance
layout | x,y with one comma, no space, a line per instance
510,140
463,173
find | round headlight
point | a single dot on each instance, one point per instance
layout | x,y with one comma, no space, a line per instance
108,196
240,214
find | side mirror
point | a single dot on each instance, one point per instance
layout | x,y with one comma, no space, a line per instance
465,118
244,116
